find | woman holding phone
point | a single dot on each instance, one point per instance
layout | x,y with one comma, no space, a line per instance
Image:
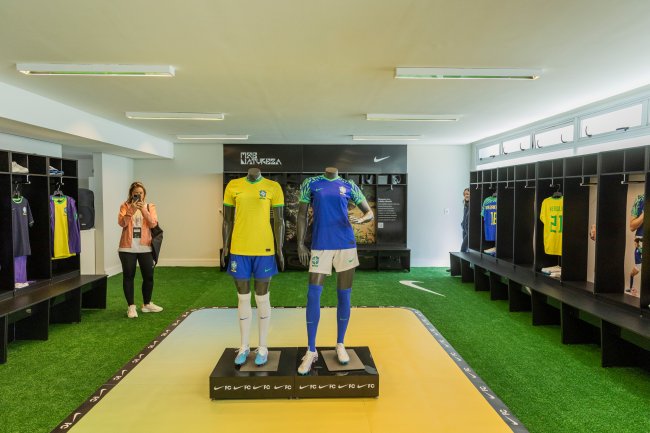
136,218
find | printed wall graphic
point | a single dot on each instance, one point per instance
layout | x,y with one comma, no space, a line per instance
633,240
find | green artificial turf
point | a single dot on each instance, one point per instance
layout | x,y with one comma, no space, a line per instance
550,387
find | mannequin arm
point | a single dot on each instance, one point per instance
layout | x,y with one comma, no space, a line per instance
637,222
301,232
278,232
368,215
226,231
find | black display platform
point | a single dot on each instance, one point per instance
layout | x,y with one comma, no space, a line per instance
230,382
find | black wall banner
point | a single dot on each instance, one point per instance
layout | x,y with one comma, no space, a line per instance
314,158
361,159
267,157
391,216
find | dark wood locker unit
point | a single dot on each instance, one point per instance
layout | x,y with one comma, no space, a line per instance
596,188
505,214
549,181
575,235
56,291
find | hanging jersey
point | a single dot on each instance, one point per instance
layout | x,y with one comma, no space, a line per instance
64,227
61,247
21,219
252,234
637,210
331,229
489,214
551,215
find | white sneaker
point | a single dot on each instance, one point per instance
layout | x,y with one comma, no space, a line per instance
307,361
20,285
17,168
131,312
151,308
342,354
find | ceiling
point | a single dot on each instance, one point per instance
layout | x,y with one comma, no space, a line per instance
307,72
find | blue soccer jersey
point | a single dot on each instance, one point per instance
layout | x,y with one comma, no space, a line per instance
489,214
331,229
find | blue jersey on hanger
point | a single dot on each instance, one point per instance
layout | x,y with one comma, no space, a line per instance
489,214
331,229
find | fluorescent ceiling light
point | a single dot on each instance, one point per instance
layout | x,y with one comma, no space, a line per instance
173,116
468,73
386,137
413,117
213,137
96,70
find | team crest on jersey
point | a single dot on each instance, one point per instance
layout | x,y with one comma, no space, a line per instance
233,266
342,190
262,194
314,261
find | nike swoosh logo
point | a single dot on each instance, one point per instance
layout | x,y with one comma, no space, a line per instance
317,189
322,386
278,387
304,386
381,159
342,386
361,386
237,387
266,270
258,387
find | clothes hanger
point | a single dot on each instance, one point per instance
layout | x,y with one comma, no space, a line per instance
16,194
58,192
557,193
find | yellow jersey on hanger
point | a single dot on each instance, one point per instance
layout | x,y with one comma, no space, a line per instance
551,215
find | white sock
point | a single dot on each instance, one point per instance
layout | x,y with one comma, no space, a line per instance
263,317
245,312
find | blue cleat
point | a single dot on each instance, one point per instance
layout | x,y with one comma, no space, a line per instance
242,355
262,356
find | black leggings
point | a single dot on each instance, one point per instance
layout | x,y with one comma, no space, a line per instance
128,274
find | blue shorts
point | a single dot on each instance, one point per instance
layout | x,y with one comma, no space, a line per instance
242,267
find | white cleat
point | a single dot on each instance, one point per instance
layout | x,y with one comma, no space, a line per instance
307,361
342,354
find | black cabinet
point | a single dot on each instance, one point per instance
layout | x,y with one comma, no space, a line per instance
597,190
55,292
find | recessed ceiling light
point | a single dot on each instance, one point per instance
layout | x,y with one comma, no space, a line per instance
386,137
96,70
173,116
413,117
212,137
468,73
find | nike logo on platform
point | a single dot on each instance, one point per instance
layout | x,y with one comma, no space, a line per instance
237,387
381,159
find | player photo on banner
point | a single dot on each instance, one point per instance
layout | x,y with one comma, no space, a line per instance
634,238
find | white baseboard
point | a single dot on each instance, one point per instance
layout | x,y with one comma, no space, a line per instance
211,263
113,270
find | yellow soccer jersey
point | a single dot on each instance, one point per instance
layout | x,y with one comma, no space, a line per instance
551,215
252,234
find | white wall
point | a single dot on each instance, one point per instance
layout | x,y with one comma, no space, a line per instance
113,176
437,176
28,145
188,195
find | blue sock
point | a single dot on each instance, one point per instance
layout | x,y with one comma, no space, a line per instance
313,314
342,313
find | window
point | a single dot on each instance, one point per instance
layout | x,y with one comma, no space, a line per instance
489,151
516,145
622,119
551,137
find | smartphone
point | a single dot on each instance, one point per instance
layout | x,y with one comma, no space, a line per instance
136,197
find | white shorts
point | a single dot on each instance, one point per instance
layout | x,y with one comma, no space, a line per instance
321,261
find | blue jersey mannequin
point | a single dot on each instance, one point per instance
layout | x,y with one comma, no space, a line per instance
332,244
